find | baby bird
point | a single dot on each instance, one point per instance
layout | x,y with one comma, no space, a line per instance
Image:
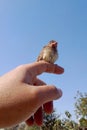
49,52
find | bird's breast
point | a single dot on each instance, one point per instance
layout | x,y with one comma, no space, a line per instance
50,55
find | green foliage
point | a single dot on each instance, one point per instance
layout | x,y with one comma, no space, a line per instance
32,128
83,122
67,113
81,105
49,121
68,123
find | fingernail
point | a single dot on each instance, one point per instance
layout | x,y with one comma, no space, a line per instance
60,92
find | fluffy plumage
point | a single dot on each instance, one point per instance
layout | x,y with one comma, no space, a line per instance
49,53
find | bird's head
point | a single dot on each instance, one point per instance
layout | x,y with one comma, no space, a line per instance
53,44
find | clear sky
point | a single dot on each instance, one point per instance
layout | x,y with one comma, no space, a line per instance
27,25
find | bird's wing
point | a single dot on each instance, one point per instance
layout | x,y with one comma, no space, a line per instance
40,57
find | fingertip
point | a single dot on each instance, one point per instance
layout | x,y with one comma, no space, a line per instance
38,117
60,92
48,93
30,121
59,69
48,107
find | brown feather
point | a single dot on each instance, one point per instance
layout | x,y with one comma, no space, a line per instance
49,53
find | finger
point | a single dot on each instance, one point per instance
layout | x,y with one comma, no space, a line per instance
38,82
40,67
48,107
30,121
46,93
38,117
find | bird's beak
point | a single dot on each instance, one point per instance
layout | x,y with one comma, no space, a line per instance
54,44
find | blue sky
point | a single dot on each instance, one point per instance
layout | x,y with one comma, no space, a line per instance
27,25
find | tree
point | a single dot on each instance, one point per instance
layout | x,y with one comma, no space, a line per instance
81,105
49,121
68,123
81,109
83,122
32,127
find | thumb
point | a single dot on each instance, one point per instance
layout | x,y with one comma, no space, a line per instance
47,93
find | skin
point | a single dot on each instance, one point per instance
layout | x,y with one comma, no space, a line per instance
22,94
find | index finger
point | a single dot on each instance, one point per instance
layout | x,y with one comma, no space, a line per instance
37,68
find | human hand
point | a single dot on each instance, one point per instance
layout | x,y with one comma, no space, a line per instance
22,93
